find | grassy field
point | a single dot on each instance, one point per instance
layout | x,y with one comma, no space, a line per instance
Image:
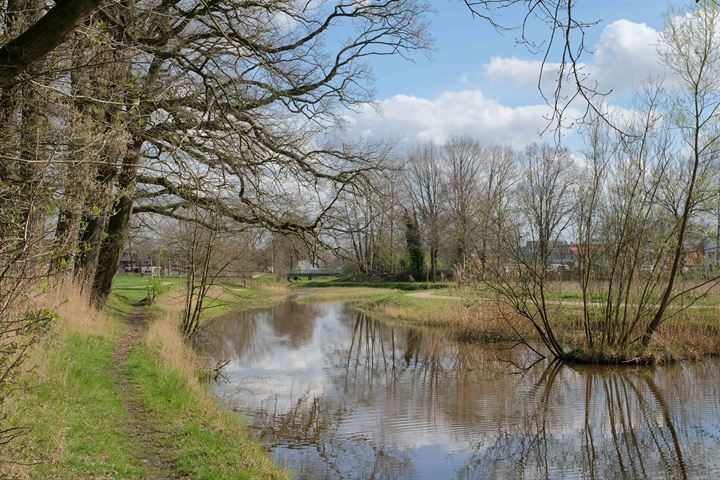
227,298
332,282
134,287
342,294
74,418
262,291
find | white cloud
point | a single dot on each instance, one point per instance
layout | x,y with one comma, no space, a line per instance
522,73
514,68
466,112
624,56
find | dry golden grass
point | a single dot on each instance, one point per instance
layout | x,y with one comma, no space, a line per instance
688,335
165,339
488,321
75,315
473,320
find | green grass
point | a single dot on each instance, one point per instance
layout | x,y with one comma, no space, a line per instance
306,280
133,288
389,285
117,305
235,298
207,443
411,307
76,416
343,294
263,278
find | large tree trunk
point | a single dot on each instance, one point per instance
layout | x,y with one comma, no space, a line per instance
93,225
89,246
42,36
117,227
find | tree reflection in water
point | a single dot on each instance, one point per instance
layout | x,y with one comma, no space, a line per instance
628,431
382,401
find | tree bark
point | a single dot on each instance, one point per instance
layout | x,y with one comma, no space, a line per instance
42,37
92,225
117,227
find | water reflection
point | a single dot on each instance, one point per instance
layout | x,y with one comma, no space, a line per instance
337,394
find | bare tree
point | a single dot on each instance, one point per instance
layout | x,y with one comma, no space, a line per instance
363,213
520,268
249,117
637,214
624,231
497,182
425,180
689,46
365,225
464,159
203,268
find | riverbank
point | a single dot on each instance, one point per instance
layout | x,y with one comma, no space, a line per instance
118,394
471,316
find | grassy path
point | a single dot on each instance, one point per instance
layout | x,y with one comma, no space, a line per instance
119,395
151,453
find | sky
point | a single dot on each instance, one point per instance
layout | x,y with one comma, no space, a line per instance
480,83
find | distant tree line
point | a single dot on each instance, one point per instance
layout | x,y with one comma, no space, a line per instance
429,213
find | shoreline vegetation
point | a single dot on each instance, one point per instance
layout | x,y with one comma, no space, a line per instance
473,313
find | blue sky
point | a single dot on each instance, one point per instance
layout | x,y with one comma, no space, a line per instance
479,82
463,44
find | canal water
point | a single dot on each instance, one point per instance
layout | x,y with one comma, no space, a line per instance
337,394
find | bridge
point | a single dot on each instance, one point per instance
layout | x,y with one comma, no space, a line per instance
313,272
